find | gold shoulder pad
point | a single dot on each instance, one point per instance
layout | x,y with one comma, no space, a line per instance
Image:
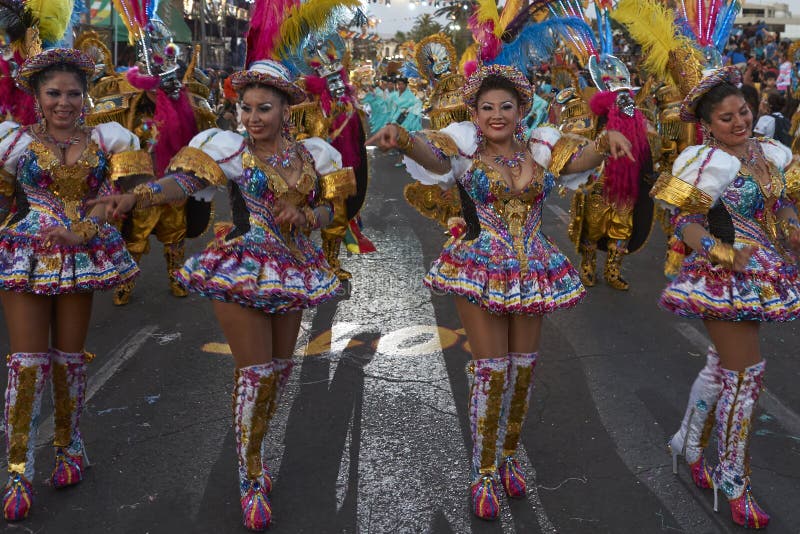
113,108
563,150
442,141
131,163
338,185
680,194
793,181
195,161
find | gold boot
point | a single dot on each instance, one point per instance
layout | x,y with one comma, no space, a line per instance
123,292
588,272
330,246
174,254
613,264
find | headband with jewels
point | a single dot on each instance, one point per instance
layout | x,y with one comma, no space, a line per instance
729,75
270,73
512,74
55,56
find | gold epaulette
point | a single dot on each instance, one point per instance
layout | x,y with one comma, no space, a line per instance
442,141
112,108
563,150
6,183
654,140
131,163
793,180
307,120
338,185
195,161
680,194
433,202
204,116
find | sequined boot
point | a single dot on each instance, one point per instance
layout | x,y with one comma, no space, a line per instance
612,272
174,255
740,392
69,391
255,387
487,380
519,384
330,246
691,438
588,272
283,368
123,292
27,374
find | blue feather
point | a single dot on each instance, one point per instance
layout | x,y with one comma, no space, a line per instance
724,24
152,9
538,41
409,70
78,9
685,28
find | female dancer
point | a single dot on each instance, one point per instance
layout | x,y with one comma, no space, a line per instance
504,272
729,204
262,270
54,253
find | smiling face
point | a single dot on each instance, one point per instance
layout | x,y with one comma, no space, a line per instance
263,112
731,121
60,96
497,114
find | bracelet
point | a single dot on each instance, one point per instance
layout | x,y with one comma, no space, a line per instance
718,253
86,229
311,218
601,145
787,226
148,194
405,142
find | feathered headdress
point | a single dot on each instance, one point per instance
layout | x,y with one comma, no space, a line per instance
22,19
708,23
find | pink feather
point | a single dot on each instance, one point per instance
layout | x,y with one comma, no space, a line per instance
470,68
265,25
175,125
142,81
622,174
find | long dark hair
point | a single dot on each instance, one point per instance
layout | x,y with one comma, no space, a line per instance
714,96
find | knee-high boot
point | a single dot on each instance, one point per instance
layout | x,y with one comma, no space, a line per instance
123,292
740,392
174,254
519,384
588,271
612,271
254,389
283,369
487,381
27,374
69,392
691,438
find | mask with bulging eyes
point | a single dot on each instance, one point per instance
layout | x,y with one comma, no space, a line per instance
335,84
609,73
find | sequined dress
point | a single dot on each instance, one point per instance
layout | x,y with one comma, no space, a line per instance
769,289
254,261
511,266
41,193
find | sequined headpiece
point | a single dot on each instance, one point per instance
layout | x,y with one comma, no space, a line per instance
271,73
512,74
716,77
44,60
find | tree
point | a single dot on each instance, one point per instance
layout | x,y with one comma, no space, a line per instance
458,13
424,26
400,37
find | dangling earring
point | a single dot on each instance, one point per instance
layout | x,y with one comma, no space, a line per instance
479,136
81,120
40,116
519,133
286,131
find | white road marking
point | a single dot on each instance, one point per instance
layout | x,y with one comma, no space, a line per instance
785,416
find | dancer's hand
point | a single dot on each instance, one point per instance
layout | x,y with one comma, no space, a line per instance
619,145
115,206
385,138
288,213
58,235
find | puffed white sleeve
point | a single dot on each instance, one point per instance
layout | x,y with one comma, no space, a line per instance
214,156
458,142
14,140
326,158
699,176
126,158
776,152
553,150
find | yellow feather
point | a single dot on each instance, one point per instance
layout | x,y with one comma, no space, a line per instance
510,10
651,25
122,7
307,18
53,17
487,10
470,54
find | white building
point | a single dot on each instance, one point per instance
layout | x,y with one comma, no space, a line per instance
776,16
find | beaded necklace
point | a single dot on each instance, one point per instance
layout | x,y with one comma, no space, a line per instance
282,159
514,163
62,146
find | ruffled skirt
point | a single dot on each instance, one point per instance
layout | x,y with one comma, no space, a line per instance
27,265
488,274
264,275
768,291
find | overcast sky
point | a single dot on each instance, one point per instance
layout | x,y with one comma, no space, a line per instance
399,16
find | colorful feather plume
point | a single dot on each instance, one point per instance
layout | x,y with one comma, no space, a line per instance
708,22
536,40
134,15
52,18
652,25
264,31
314,16
575,31
15,19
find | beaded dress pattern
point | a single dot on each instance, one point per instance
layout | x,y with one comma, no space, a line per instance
47,194
769,288
261,264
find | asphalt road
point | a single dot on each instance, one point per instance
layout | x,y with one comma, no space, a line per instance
373,435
